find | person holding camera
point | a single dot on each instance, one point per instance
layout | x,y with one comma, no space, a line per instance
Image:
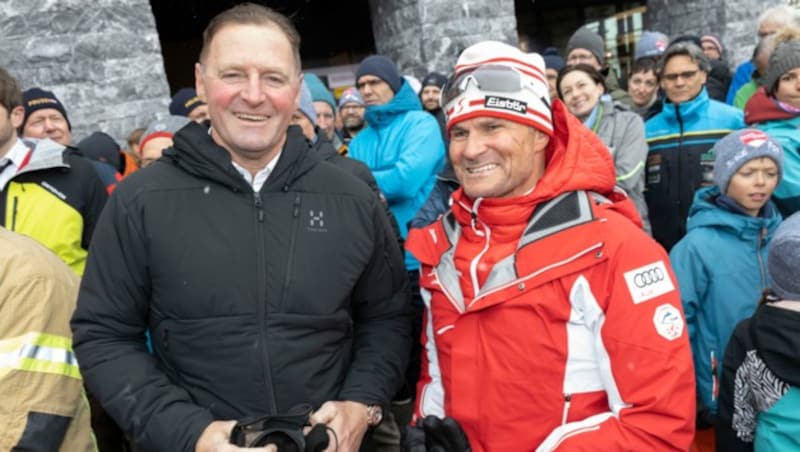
265,277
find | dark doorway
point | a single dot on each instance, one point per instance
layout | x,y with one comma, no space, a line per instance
332,33
546,23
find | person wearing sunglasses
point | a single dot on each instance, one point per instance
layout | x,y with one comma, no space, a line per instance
553,322
583,91
680,137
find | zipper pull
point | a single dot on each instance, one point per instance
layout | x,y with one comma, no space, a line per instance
259,206
567,401
296,207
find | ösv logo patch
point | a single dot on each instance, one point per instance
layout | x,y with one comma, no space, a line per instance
648,282
668,322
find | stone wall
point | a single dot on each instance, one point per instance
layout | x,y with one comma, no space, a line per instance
428,35
101,58
734,21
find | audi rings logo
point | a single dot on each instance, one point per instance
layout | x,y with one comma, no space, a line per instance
648,282
648,277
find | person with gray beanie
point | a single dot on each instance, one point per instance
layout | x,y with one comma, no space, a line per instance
587,47
760,389
775,109
719,264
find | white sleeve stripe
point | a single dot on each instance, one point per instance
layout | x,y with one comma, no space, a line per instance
565,431
432,397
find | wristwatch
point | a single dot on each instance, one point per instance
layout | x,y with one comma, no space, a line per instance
374,415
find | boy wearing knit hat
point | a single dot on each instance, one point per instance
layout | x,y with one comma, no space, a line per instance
727,223
538,239
187,103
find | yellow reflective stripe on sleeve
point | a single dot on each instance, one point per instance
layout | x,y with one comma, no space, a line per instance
39,352
631,173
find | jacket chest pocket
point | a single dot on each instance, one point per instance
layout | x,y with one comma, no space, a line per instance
325,255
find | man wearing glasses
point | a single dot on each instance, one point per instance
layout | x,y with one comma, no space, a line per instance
553,322
680,138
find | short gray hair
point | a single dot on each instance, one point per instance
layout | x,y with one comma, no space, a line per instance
688,49
781,14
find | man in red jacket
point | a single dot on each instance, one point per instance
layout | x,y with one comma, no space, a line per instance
553,322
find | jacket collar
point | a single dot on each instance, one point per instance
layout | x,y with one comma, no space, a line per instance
46,154
705,212
195,152
762,108
404,100
688,110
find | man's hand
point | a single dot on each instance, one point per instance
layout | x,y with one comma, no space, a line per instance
347,419
216,438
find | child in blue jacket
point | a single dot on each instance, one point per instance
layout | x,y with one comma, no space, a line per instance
721,262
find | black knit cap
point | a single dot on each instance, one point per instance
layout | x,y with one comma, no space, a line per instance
184,101
383,68
101,147
434,79
35,99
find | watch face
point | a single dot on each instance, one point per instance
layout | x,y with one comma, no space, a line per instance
374,415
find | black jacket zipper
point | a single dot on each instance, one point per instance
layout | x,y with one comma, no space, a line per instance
761,238
261,278
292,241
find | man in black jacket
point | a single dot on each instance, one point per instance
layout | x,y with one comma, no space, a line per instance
266,277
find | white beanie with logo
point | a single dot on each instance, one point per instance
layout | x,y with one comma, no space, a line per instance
526,102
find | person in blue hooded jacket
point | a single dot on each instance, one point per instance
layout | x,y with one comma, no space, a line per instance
721,262
402,146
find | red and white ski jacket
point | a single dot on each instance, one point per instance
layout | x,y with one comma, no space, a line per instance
553,321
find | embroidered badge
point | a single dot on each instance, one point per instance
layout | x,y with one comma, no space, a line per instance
648,282
668,322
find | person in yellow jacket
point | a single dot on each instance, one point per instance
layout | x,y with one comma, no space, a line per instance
43,405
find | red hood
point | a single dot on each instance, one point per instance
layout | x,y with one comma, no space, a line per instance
576,160
762,108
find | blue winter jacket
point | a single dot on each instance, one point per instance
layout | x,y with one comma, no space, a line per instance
741,77
402,145
721,269
680,160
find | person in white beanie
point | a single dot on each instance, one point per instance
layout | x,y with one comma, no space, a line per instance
552,322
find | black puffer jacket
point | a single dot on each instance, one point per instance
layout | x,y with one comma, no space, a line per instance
255,301
358,169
